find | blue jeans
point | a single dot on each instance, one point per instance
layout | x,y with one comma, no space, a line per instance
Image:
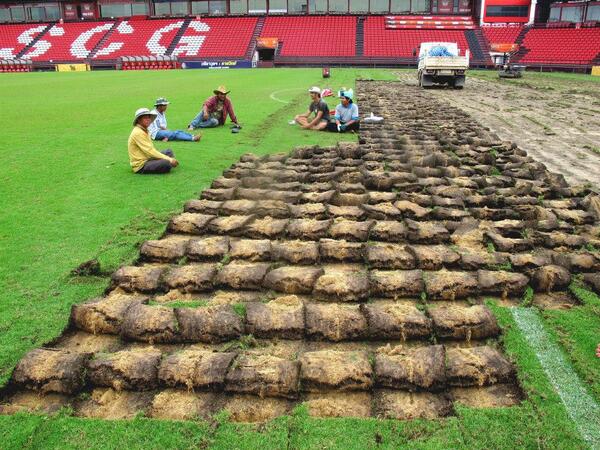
199,122
177,135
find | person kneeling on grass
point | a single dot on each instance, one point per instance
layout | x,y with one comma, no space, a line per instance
215,111
143,157
346,114
158,128
320,110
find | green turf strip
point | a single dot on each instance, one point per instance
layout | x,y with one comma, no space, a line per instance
581,407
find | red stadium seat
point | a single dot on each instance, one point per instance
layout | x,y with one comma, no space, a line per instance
313,36
502,35
14,38
561,46
217,37
140,38
382,42
69,41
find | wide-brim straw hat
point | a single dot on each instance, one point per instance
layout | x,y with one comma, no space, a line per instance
161,101
143,112
221,90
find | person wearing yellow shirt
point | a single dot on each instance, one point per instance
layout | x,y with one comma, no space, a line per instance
143,157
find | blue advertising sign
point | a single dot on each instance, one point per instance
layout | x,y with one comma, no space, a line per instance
233,64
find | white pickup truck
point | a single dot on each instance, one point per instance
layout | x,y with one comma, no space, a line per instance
441,63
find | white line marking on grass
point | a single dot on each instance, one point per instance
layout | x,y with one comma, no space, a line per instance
273,95
580,405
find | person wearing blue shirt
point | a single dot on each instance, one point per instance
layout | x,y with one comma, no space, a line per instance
158,128
346,114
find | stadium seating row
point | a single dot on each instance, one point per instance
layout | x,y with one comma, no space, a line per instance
317,36
560,45
502,35
149,65
15,68
383,42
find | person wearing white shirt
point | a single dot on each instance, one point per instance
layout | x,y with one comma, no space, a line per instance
158,129
346,114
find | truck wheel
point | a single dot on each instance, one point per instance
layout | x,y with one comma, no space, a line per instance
459,82
426,81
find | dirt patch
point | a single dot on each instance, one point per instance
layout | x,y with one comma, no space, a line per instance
411,405
106,403
333,404
252,409
561,131
172,404
495,396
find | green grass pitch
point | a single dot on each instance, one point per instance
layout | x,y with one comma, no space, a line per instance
68,195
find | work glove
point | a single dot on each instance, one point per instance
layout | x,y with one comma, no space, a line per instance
342,127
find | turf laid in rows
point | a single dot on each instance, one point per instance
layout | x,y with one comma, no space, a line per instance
70,196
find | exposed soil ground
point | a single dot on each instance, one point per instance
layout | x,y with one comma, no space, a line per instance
556,121
351,278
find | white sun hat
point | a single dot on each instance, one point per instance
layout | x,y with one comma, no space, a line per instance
315,90
143,112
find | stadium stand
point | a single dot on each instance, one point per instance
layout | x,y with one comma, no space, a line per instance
381,41
140,38
216,37
561,46
313,36
14,38
506,34
68,41
365,39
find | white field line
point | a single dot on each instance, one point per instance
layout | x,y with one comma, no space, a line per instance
580,406
273,95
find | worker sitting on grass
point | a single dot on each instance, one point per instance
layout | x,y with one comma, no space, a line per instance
320,110
143,157
346,114
158,129
215,111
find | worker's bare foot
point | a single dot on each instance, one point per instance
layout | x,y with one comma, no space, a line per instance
190,128
165,140
197,137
